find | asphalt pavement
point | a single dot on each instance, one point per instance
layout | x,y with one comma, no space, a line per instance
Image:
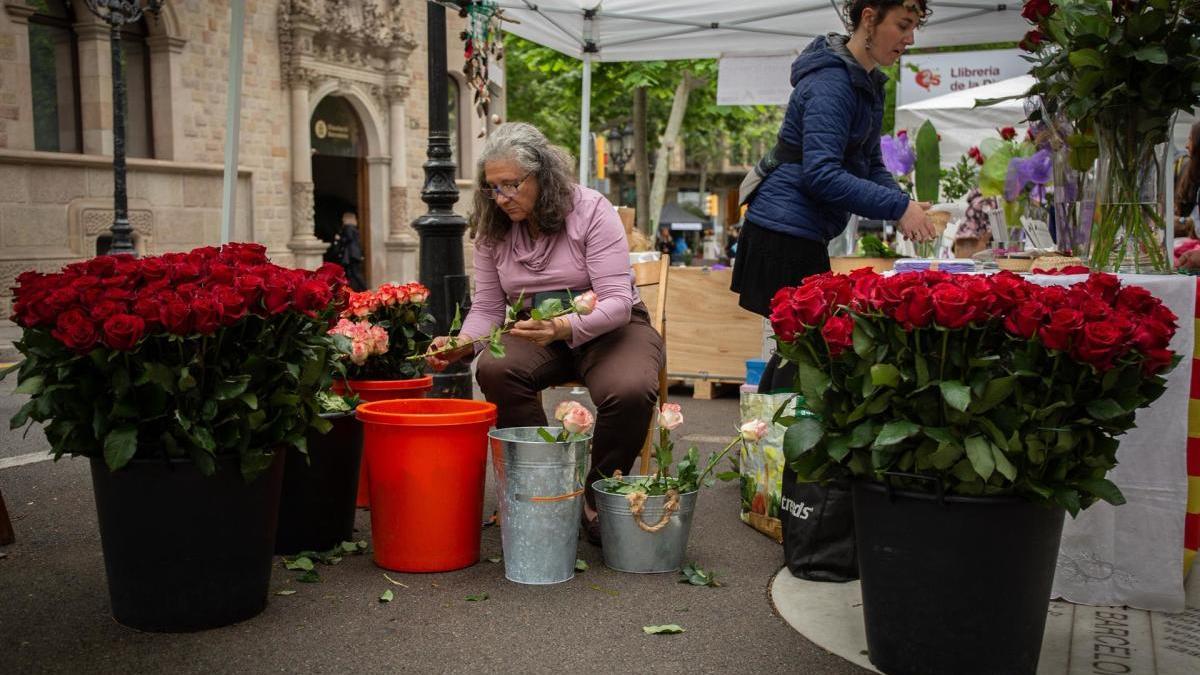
54,609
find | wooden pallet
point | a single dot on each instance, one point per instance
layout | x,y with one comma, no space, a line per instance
706,388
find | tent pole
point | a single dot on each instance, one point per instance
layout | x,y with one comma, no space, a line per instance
233,117
585,121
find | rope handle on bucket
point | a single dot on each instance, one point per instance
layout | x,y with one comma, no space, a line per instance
637,504
559,498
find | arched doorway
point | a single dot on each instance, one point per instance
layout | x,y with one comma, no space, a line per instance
339,173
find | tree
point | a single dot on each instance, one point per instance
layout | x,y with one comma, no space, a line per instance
544,89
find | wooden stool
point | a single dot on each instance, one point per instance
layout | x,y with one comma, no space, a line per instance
6,531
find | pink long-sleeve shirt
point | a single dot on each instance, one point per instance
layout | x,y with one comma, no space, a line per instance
590,252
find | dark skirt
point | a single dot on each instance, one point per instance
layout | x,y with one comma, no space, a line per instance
768,261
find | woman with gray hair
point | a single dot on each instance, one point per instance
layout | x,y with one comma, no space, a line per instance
538,231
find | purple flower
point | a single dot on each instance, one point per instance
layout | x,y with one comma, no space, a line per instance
897,156
1024,170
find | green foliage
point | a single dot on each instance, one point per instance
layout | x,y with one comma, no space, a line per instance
871,246
1102,60
667,629
689,476
928,163
958,180
536,74
694,575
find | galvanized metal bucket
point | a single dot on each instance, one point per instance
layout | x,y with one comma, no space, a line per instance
541,498
630,548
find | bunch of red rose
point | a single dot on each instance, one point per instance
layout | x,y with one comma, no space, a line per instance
116,300
1096,321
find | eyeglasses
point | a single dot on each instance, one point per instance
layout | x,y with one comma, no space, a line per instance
508,190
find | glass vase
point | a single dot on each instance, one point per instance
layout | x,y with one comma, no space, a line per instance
1074,206
1128,231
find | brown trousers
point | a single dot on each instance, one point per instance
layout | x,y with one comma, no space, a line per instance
619,368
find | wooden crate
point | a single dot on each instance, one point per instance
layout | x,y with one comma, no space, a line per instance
709,338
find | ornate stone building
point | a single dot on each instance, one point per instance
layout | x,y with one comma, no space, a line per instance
334,119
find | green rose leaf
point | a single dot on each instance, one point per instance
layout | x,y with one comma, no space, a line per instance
894,432
119,446
1086,58
885,375
581,565
31,385
956,394
387,596
1004,466
814,382
1104,409
862,341
1152,54
946,455
979,451
301,563
994,393
1104,489
838,448
801,437
232,387
479,597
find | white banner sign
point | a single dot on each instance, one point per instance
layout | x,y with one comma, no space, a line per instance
754,80
924,76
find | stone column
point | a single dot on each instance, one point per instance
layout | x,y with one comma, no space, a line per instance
304,244
16,101
95,85
401,244
166,54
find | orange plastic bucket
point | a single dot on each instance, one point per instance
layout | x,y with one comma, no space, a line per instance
428,458
380,390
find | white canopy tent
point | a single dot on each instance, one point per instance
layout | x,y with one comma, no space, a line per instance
636,30
962,125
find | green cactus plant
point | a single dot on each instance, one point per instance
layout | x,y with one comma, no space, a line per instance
929,163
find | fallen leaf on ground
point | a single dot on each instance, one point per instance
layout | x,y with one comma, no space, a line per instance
395,582
580,565
477,598
495,559
609,591
309,577
692,574
286,591
387,596
668,629
301,563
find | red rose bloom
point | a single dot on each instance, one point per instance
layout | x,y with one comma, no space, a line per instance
1025,320
915,308
838,332
951,306
1105,285
1099,343
75,330
233,304
148,307
1031,40
1008,133
206,314
1061,327
176,316
785,324
1036,10
1150,335
1157,360
810,304
312,295
250,286
122,331
277,293
1094,310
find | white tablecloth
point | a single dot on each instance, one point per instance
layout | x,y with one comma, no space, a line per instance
1133,554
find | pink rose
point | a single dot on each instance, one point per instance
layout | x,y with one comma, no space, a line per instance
577,420
563,408
754,431
358,352
417,294
670,416
584,303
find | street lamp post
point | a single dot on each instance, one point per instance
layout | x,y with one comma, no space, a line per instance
441,229
620,152
118,14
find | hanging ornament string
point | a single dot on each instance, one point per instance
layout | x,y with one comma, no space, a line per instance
483,46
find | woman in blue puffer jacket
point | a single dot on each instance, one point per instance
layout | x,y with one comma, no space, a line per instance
829,145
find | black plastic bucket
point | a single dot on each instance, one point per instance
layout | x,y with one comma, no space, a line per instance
954,585
316,511
182,551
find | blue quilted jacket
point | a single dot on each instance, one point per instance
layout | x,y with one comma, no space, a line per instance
834,115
